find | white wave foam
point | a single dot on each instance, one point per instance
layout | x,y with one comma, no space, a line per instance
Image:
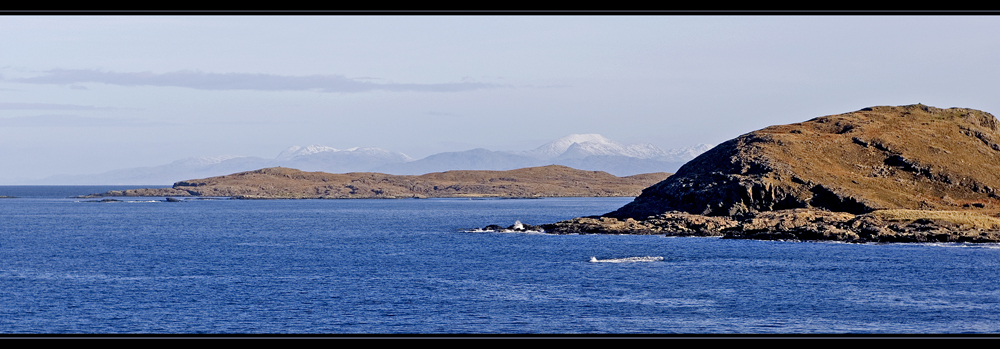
626,260
991,246
480,230
518,227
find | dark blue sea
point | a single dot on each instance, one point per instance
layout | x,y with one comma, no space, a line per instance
409,267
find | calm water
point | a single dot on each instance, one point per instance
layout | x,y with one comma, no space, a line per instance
405,266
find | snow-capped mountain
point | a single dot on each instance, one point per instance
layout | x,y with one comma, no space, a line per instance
295,150
577,146
581,151
327,159
686,153
475,159
205,160
558,147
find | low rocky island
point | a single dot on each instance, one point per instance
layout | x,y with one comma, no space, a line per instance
287,183
882,174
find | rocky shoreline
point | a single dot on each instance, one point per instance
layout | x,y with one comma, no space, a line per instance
788,225
801,225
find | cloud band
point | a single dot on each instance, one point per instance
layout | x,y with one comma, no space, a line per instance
241,81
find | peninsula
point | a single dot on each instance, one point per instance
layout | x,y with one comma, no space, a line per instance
882,174
287,183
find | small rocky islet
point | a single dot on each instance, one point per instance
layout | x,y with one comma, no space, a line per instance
288,183
881,174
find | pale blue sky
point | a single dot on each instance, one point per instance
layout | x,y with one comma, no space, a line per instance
88,94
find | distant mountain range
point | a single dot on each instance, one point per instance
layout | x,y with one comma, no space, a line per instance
580,151
590,152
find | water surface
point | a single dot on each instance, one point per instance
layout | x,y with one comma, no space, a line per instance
407,266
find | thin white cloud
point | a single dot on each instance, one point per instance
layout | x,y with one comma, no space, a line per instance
48,106
56,120
241,81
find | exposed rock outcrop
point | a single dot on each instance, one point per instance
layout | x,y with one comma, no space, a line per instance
517,227
670,224
802,225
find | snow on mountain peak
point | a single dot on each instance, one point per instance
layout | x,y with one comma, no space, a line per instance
586,137
686,153
205,160
295,150
583,145
557,147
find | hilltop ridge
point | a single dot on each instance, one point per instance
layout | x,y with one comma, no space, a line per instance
288,183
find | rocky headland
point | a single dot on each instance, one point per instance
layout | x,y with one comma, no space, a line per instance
287,183
882,174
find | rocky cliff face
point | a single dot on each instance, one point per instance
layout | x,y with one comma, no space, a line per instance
907,157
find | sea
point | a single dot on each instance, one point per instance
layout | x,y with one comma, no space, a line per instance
412,266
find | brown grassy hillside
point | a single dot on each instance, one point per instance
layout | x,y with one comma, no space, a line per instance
287,183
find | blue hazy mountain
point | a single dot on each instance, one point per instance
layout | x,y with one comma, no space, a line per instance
581,151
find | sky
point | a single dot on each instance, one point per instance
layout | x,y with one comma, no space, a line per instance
89,94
